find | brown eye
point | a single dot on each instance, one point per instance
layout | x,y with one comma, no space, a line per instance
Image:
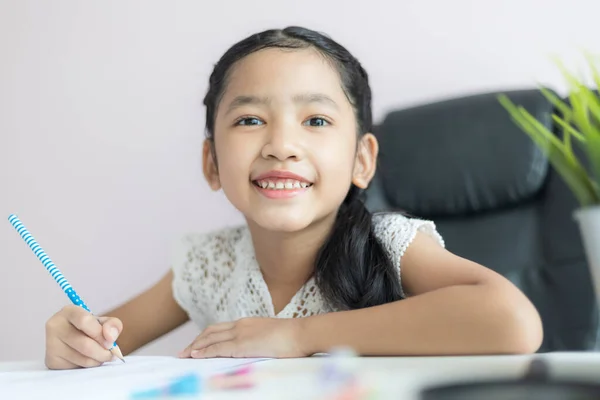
249,121
316,121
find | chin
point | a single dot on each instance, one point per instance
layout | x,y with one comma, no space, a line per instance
283,224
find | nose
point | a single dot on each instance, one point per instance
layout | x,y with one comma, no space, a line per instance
283,142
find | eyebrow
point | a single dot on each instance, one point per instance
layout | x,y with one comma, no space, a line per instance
241,101
308,98
304,98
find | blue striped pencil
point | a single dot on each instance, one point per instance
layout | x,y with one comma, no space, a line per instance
54,272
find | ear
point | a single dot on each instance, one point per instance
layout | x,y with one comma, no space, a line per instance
209,165
366,161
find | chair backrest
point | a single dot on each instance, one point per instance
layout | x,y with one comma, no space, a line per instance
464,164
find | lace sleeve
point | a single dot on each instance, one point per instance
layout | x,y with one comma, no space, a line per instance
396,232
190,257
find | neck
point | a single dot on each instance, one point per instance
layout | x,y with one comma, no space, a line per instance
288,259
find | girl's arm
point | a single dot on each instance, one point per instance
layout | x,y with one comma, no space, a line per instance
148,316
454,306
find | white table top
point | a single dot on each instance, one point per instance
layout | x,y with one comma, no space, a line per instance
392,377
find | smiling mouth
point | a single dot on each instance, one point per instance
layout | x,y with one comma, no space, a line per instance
281,184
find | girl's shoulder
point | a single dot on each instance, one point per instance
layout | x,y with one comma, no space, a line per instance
395,227
396,232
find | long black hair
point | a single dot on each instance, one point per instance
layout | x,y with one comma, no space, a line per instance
352,269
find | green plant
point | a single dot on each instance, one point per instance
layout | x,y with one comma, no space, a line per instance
580,123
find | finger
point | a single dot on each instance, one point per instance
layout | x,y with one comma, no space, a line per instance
86,323
203,341
85,346
221,349
111,329
53,360
185,353
223,326
57,362
73,356
212,338
69,358
78,359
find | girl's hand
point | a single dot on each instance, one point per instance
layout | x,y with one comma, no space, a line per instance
248,337
75,338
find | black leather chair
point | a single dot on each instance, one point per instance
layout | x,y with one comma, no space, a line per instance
495,199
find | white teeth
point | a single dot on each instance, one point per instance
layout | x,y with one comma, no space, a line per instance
287,184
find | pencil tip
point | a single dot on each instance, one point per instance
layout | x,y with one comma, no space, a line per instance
117,352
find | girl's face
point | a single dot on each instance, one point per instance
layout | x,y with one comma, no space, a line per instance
286,140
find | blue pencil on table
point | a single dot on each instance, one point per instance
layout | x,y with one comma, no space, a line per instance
54,272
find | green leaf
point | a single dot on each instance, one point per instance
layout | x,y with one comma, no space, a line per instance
578,102
595,72
593,102
564,109
568,127
541,129
593,154
575,179
580,114
580,120
568,147
563,150
587,110
567,166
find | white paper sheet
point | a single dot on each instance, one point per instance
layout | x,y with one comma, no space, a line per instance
115,380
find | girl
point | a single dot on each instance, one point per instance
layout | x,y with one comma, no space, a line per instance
288,121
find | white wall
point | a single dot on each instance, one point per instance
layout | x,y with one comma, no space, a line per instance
101,120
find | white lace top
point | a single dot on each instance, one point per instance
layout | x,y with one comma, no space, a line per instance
217,278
